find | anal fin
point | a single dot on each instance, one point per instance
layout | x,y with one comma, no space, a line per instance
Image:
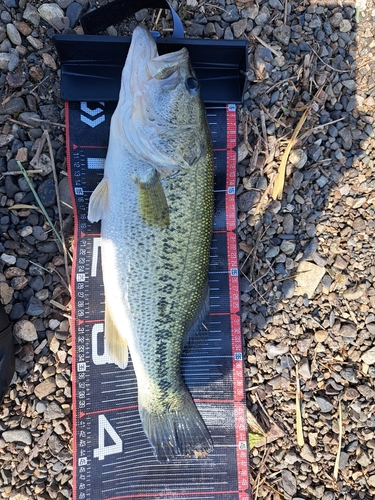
117,346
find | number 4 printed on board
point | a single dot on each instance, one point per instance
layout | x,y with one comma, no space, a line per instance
102,451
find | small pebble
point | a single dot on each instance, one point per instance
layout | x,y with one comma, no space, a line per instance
25,330
13,34
17,436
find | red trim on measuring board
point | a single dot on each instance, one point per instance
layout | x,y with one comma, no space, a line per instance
230,201
234,302
73,324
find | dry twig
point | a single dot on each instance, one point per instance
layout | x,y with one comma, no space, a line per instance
300,439
280,179
274,51
337,462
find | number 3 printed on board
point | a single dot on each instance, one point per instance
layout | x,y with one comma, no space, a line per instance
103,450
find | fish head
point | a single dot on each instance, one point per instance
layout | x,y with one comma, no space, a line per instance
162,114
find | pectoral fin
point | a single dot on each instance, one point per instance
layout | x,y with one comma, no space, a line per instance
117,346
152,203
98,201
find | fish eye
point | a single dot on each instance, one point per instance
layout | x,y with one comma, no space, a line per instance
192,85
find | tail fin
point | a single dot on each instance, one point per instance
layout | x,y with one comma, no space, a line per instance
176,432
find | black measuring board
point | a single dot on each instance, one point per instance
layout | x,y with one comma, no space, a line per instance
112,457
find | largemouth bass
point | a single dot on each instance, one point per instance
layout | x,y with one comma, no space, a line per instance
156,206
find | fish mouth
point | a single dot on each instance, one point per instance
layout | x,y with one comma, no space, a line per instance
144,62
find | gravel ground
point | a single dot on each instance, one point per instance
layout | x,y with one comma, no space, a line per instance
307,259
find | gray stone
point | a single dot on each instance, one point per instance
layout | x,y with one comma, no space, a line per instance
4,60
35,270
252,11
40,233
324,405
13,34
239,27
349,374
310,249
19,282
50,11
53,412
31,14
316,152
28,117
17,436
288,288
263,17
21,366
304,369
288,224
231,14
65,3
272,252
74,12
245,285
289,482
349,84
260,321
6,293
36,283
247,200
18,310
297,179
276,4
209,29
47,193
321,181
26,353
298,158
348,330
8,259
282,34
55,445
344,459
45,388
14,106
276,350
345,26
25,330
25,231
274,207
48,247
40,407
34,307
307,454
141,15
336,20
13,60
288,247
6,17
228,33
347,139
